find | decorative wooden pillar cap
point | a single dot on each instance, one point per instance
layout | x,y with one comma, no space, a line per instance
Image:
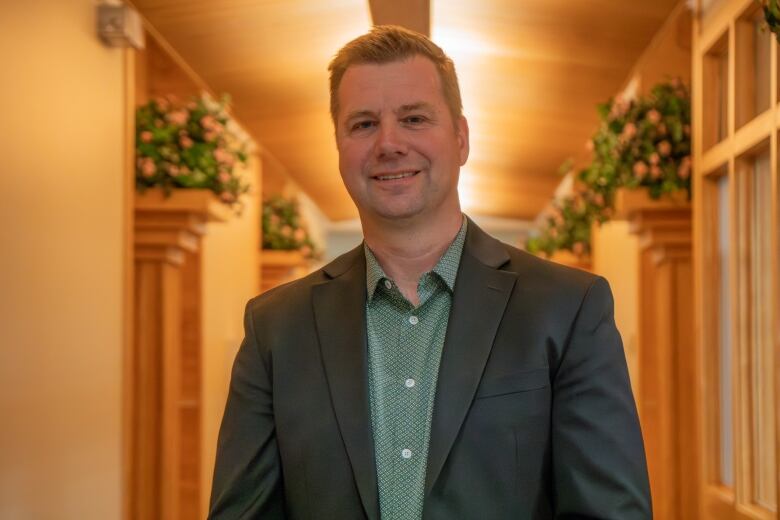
168,226
663,225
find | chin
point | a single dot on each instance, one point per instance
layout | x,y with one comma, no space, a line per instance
397,213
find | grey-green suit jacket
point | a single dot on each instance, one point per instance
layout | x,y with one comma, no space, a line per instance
533,417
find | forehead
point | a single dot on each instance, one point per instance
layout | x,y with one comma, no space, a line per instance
384,85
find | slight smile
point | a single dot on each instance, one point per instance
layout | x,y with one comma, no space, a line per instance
394,176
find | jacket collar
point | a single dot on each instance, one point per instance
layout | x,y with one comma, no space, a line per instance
479,244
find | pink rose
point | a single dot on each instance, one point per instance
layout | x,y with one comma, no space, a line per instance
640,170
655,172
619,107
148,167
223,156
305,251
210,136
664,148
275,220
162,104
146,136
185,142
629,131
654,116
684,171
286,231
224,177
655,158
178,117
227,196
299,234
598,199
173,170
207,122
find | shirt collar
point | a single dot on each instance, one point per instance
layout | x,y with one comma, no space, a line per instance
446,267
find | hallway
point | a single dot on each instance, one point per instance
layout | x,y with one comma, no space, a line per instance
635,140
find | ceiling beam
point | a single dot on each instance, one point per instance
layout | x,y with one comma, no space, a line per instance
412,14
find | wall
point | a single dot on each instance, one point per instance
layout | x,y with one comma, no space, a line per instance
231,276
669,53
61,266
615,254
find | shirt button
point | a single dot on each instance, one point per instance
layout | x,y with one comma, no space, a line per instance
406,453
388,284
413,320
409,383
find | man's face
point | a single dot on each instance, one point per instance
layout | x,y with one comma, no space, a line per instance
399,151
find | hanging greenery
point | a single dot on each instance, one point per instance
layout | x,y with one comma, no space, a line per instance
772,16
640,144
284,229
193,144
568,226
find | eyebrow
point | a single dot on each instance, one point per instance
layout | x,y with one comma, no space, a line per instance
359,113
420,105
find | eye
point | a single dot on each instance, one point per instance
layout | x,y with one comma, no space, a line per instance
414,119
362,125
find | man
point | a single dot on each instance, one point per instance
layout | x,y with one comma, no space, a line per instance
433,372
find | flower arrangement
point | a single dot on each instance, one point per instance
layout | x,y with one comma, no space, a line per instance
284,229
568,225
193,144
772,16
640,144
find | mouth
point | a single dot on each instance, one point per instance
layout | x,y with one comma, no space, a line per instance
391,176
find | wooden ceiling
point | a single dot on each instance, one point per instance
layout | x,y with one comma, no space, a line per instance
531,72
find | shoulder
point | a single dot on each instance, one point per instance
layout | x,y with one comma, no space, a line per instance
531,271
293,297
533,268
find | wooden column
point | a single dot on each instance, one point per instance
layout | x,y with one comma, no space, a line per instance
165,429
571,260
666,349
278,267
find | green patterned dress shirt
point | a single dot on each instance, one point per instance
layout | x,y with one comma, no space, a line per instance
404,350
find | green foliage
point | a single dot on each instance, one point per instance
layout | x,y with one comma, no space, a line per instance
189,145
284,229
640,144
568,227
772,16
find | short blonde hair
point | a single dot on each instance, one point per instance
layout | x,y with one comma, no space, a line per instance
389,43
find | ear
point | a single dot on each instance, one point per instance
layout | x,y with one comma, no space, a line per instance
463,139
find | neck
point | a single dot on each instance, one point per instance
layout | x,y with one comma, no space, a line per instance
408,250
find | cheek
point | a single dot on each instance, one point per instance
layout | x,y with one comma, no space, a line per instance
351,155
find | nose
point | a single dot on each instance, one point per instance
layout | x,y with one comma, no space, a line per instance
390,142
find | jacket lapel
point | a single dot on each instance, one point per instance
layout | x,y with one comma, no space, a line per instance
470,333
340,315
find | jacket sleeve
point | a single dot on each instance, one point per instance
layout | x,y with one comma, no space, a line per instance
599,466
247,475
